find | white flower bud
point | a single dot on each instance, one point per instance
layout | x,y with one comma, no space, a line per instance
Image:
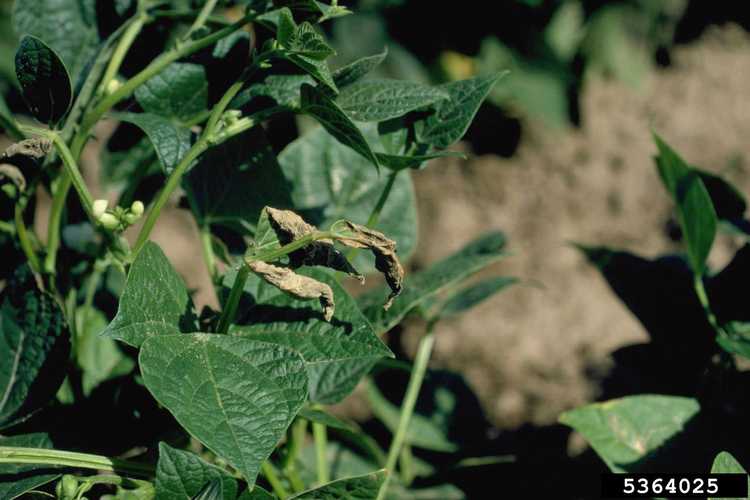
113,85
109,221
99,207
137,208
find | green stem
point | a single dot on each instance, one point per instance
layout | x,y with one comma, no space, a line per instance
23,238
700,291
296,439
406,465
269,471
208,251
18,455
128,37
320,435
233,302
407,408
203,16
372,221
55,221
154,68
305,240
73,172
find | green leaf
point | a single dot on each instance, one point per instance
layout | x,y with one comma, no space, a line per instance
396,162
322,417
15,480
353,72
44,81
462,300
337,354
364,487
335,121
453,116
232,182
129,165
380,100
694,208
100,358
284,90
34,348
428,432
235,395
181,474
171,141
421,286
725,463
155,301
307,42
627,430
728,201
66,26
330,181
305,47
179,92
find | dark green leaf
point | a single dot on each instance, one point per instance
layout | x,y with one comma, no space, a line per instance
380,100
236,395
283,89
129,165
181,474
694,208
171,141
627,430
421,286
466,298
725,463
307,42
337,354
335,121
15,480
453,116
44,81
364,487
330,182
34,348
155,301
257,493
180,91
67,26
234,181
353,72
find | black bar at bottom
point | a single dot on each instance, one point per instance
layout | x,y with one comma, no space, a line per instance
674,485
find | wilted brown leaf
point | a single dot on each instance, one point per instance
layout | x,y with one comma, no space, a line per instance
14,174
295,284
36,148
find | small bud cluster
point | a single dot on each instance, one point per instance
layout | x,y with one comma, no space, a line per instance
117,219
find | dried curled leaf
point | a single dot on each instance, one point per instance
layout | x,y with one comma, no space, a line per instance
289,226
295,284
384,249
14,174
36,148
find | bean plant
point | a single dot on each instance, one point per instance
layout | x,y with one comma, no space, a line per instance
698,324
112,384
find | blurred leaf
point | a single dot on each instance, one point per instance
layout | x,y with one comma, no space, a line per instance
335,121
99,357
625,431
466,298
337,353
419,287
364,487
34,348
330,181
396,162
155,301
565,30
180,91
171,141
66,26
380,100
228,375
356,70
453,116
694,208
44,80
15,480
325,418
181,474
257,493
725,463
233,181
128,165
